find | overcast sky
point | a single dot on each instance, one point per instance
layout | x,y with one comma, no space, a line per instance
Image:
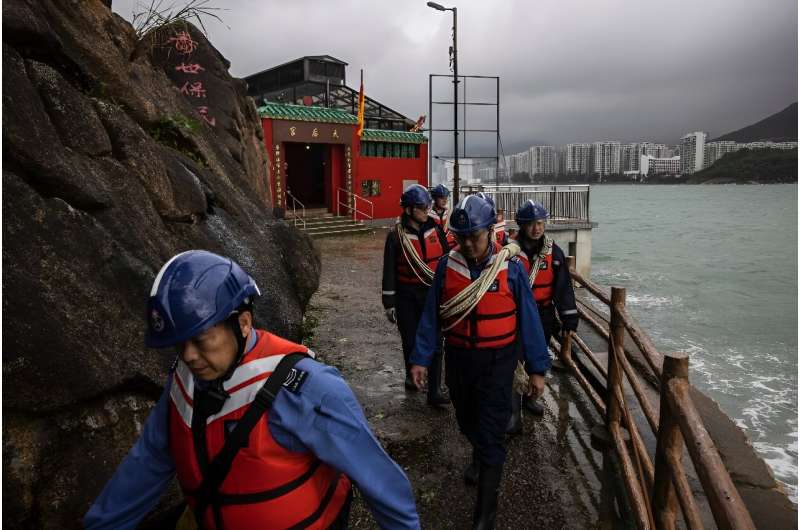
570,70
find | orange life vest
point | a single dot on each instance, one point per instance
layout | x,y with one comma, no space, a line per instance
433,251
493,322
543,283
441,220
267,486
500,232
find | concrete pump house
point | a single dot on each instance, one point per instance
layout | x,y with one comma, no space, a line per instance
309,118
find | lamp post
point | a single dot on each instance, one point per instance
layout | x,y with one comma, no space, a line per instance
456,181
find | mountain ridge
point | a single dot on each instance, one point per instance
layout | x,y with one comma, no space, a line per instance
778,127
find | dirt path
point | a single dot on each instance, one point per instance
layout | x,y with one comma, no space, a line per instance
551,475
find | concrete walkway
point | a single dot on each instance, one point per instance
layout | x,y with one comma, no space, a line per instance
552,474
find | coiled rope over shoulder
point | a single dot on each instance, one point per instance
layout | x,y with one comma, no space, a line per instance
415,262
464,302
547,249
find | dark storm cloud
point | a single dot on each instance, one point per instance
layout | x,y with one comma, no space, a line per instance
570,70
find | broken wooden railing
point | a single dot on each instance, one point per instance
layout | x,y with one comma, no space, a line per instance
653,489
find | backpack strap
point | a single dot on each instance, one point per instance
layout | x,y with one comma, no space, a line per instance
219,468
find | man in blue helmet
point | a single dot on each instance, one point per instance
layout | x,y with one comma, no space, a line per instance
481,301
410,255
439,211
258,433
549,279
500,235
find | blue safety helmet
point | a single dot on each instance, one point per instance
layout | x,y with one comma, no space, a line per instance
194,291
471,214
486,198
531,211
440,191
414,195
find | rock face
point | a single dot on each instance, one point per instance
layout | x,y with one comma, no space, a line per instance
112,164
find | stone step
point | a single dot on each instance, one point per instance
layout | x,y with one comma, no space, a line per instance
327,218
318,221
351,230
329,227
324,215
332,222
310,212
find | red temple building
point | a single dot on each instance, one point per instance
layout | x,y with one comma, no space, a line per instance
309,116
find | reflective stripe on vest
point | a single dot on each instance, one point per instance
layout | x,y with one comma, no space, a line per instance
441,220
433,251
267,485
493,322
500,231
545,278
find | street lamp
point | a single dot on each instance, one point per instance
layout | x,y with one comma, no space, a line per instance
454,49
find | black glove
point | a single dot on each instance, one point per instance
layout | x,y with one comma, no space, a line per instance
391,314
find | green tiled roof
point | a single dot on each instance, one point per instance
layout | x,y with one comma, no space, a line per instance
379,135
281,111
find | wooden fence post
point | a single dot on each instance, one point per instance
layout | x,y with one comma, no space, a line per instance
614,380
665,503
616,340
571,267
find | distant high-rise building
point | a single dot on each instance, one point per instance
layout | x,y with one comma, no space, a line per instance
629,157
485,170
713,151
577,159
524,162
649,165
560,161
768,145
655,150
692,149
605,158
466,175
519,163
542,160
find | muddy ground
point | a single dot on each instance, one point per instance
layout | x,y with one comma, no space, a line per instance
551,479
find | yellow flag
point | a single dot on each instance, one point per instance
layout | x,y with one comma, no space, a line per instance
361,107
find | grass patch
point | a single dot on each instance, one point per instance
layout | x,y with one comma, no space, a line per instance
309,326
175,131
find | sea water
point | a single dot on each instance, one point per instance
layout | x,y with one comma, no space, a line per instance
712,271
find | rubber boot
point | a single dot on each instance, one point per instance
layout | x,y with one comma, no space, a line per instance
533,406
471,472
515,421
486,505
435,396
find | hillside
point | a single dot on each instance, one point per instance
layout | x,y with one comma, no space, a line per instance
780,127
766,166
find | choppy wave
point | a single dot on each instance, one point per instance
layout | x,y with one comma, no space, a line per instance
783,462
689,275
649,301
766,402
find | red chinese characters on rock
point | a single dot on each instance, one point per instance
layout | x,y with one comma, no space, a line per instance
195,89
203,112
189,68
183,43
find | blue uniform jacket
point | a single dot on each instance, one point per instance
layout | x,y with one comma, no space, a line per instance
529,327
323,417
